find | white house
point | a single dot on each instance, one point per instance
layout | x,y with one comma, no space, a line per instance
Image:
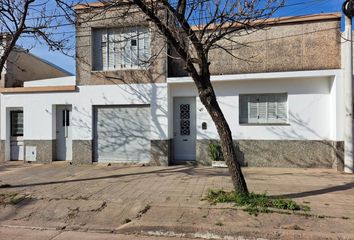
23,69
285,110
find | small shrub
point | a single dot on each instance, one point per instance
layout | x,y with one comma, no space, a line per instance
253,203
17,199
285,204
305,208
215,152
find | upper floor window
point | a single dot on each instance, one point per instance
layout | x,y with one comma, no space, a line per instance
120,48
264,108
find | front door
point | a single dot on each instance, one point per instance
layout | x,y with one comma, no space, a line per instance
63,128
184,141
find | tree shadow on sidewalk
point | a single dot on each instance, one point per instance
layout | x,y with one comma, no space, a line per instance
333,189
188,170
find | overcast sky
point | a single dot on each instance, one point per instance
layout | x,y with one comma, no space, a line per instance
293,8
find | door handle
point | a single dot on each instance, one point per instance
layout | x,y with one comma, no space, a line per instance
185,140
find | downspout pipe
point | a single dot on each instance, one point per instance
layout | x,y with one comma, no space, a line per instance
348,92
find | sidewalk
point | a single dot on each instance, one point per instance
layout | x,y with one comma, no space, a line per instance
167,200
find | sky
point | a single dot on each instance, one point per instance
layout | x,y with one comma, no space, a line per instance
292,8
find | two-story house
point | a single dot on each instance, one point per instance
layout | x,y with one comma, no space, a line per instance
285,108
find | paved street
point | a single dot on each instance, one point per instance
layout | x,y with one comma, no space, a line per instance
159,200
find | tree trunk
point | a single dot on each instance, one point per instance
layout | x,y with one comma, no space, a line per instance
208,98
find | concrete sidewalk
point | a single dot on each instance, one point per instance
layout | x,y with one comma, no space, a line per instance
160,200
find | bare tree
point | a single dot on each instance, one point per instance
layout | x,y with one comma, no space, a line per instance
35,19
194,28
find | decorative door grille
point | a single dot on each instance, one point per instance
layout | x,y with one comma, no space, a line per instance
185,115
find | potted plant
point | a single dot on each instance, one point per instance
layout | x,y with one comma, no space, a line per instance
216,156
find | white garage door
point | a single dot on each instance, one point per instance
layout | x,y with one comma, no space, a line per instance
122,134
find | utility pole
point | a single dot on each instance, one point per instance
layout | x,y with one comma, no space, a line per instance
348,10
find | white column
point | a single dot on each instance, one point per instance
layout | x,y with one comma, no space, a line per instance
348,93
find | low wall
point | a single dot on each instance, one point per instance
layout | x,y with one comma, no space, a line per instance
282,153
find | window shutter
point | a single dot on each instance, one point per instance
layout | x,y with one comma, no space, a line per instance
117,52
253,109
243,117
144,46
111,49
126,48
147,44
282,108
97,63
104,46
272,109
262,109
134,46
120,49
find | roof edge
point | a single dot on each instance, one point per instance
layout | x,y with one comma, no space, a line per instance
281,20
278,20
53,65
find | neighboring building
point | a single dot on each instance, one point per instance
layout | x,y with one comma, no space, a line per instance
285,109
19,73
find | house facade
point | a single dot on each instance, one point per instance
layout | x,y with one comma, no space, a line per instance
285,107
22,71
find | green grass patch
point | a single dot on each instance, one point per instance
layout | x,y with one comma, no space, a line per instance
254,203
12,198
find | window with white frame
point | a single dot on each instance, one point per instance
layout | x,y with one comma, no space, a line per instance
263,108
120,48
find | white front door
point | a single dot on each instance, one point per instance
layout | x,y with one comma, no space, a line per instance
16,135
63,128
184,140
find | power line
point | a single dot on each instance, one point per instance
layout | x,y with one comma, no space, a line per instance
138,11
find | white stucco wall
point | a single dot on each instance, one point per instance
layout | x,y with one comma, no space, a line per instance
63,81
39,108
314,105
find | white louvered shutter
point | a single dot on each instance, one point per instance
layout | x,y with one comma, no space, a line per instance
120,48
262,109
282,109
144,46
104,49
117,50
126,48
134,46
147,40
111,49
272,109
253,109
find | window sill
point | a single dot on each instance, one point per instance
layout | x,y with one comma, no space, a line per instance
119,70
264,124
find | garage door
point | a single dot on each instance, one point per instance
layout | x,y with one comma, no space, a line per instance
122,134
